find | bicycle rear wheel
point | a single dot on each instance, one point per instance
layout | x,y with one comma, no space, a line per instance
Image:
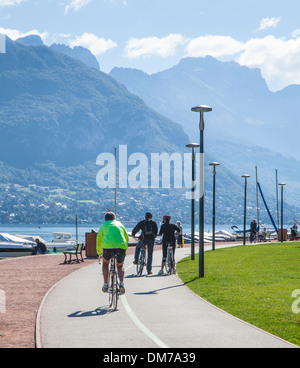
171,262
168,263
113,292
141,263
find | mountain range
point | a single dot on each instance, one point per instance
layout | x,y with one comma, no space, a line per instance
53,107
78,52
57,114
244,109
249,125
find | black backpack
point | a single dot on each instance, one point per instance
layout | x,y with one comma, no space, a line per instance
148,228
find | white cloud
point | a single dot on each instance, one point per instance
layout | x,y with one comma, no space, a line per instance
296,33
150,46
11,2
278,59
96,45
266,23
76,5
116,2
216,46
14,33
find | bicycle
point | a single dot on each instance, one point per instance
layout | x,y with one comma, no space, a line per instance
142,260
170,262
113,286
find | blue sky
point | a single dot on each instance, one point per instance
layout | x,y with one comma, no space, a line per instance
153,35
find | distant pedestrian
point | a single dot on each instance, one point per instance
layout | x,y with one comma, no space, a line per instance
253,230
179,235
294,231
39,248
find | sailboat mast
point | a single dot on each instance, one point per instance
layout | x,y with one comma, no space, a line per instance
257,205
277,197
115,181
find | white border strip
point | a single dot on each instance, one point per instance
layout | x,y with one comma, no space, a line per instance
138,322
140,325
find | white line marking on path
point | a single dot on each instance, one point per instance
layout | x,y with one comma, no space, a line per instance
138,323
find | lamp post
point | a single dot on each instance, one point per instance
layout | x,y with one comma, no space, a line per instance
193,146
115,181
202,109
281,232
246,176
214,164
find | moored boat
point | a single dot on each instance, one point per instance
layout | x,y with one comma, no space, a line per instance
60,241
13,246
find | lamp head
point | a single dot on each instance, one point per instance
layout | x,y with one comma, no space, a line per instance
214,164
201,108
193,145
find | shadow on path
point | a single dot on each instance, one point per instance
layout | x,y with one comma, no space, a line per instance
157,290
100,311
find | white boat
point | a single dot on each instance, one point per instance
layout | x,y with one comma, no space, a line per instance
225,235
60,241
220,236
13,246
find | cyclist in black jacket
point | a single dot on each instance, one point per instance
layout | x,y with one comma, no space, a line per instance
167,230
149,230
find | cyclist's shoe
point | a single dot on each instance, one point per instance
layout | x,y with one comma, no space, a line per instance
122,288
105,288
135,262
161,272
149,273
174,271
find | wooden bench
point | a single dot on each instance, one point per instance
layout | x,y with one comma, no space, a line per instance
77,251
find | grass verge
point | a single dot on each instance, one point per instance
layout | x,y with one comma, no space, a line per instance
254,283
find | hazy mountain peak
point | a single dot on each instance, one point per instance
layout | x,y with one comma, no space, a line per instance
78,52
53,107
31,40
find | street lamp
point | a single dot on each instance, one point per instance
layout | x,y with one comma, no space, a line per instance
214,164
202,109
245,206
281,232
193,146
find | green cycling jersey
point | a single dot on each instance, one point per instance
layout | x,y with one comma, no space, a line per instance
112,234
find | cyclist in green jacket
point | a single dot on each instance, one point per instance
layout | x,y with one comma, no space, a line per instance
112,236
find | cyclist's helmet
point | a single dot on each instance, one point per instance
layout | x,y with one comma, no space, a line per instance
167,218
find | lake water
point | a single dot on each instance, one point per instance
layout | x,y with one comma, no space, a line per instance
45,231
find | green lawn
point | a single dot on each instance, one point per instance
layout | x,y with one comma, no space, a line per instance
253,282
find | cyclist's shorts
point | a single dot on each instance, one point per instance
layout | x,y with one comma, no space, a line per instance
164,249
109,253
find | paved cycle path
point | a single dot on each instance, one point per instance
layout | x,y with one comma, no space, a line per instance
156,311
